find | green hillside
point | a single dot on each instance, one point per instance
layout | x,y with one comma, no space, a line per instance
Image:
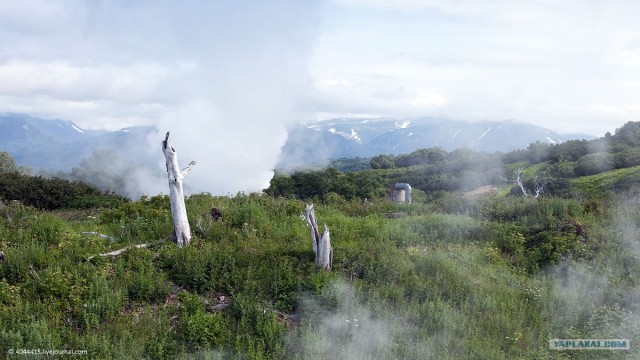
614,180
495,278
494,275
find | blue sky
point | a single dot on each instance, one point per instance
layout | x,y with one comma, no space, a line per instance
231,75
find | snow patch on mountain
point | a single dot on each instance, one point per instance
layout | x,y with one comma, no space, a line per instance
484,133
354,136
77,128
403,125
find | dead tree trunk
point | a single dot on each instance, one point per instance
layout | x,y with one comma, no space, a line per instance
538,184
321,244
181,229
519,181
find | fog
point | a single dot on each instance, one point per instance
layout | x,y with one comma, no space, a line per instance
249,67
223,77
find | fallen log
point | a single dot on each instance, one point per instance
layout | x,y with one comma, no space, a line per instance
102,236
120,251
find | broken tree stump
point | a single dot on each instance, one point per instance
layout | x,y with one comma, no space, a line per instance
321,244
181,228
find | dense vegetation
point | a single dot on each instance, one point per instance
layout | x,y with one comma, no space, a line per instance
54,193
552,166
452,276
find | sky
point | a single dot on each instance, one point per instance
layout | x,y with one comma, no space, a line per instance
570,65
228,77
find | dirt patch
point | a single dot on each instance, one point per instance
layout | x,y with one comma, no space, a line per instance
481,190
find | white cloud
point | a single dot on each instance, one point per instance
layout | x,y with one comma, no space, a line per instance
425,100
223,77
133,83
236,71
538,61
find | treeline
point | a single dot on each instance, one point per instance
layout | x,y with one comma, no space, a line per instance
429,170
434,169
579,157
582,157
318,184
50,193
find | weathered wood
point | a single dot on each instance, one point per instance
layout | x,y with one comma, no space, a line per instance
321,244
519,180
120,251
181,228
102,236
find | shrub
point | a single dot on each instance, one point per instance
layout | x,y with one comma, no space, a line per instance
50,194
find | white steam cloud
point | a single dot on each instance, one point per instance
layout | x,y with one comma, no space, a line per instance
246,92
352,330
224,77
601,300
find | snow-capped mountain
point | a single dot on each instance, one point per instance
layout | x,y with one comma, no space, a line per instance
336,138
21,131
59,145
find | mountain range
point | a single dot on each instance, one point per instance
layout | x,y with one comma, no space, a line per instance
59,145
315,141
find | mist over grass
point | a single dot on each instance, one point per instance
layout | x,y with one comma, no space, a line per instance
453,277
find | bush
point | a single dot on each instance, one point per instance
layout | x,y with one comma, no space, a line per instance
594,164
51,194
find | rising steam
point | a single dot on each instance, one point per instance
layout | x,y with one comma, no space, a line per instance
224,77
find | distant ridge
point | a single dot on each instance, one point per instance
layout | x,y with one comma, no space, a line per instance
314,141
59,145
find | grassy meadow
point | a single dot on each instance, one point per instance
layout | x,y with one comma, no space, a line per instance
454,277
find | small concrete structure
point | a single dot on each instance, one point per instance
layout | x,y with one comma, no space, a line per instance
401,193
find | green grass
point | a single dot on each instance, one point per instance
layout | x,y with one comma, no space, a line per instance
616,180
432,284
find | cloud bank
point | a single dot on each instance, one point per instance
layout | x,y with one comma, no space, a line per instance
569,66
223,77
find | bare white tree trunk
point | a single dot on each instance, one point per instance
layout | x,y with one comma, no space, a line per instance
538,184
519,181
321,244
539,187
181,228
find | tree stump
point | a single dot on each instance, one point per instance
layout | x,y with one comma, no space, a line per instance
181,228
321,244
